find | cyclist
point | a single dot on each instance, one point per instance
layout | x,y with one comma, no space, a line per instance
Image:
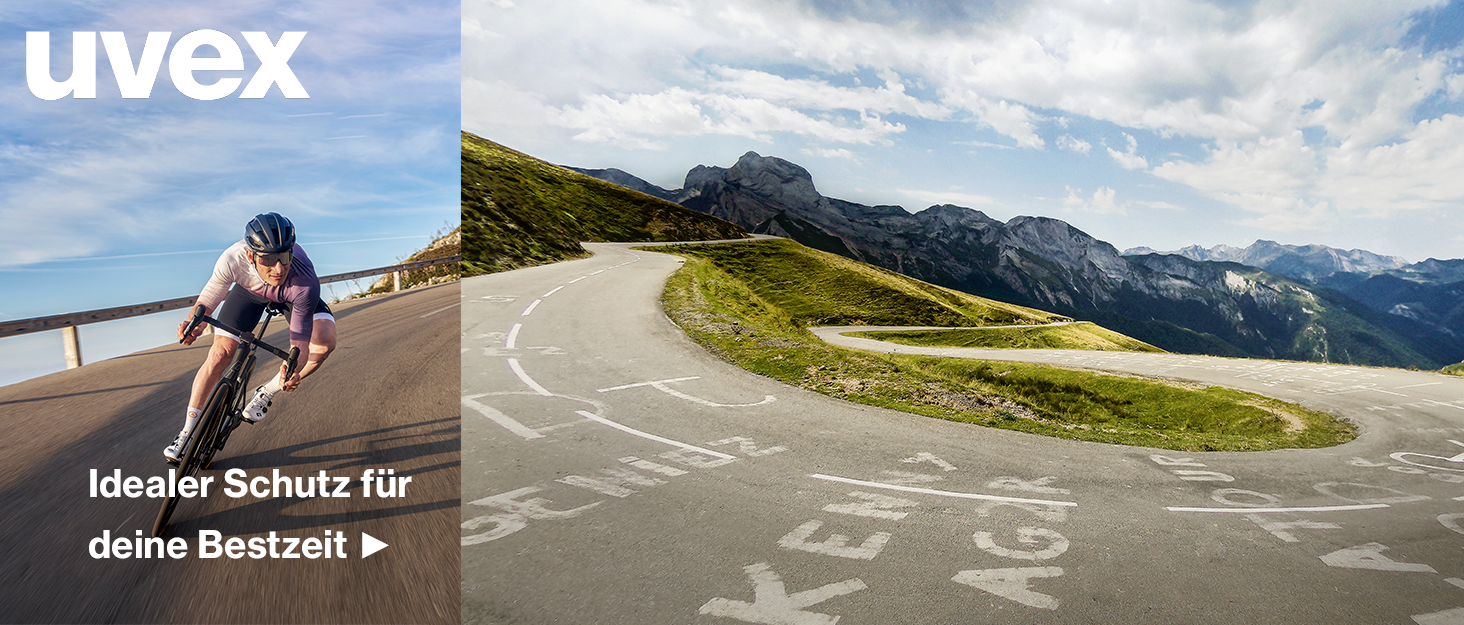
267,266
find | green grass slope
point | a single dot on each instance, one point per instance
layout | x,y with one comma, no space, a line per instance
751,304
1455,369
519,211
1081,335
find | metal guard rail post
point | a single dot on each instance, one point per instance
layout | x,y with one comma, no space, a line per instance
68,322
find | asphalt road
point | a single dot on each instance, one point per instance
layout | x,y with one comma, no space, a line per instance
615,472
383,400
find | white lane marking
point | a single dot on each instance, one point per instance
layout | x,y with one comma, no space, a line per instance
518,370
1451,521
1439,403
531,308
1370,556
626,386
551,292
576,279
597,272
837,545
1382,391
501,419
440,310
943,493
1453,616
771,603
1268,510
1012,584
1202,476
646,435
512,336
1418,385
1457,582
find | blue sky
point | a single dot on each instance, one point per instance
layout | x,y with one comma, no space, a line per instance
1160,123
111,201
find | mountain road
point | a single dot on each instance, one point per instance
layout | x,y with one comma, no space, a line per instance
616,472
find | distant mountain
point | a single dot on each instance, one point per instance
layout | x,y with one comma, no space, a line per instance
1430,293
1174,302
519,211
1306,262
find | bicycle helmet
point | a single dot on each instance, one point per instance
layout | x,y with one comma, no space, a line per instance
269,233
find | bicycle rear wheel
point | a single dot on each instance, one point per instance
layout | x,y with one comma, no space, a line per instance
203,436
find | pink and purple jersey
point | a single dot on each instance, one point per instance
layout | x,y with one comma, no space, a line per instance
301,288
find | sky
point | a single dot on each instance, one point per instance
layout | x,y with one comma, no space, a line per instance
1159,123
112,201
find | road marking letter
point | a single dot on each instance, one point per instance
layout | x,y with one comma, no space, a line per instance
1370,556
836,545
1012,584
772,605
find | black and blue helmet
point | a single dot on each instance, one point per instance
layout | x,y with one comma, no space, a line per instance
269,233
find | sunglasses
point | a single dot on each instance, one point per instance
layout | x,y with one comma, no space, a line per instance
270,260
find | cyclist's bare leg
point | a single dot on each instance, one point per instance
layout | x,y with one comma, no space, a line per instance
219,356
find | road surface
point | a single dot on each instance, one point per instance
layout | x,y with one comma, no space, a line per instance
615,472
383,400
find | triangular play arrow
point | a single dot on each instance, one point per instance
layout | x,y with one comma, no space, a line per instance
370,545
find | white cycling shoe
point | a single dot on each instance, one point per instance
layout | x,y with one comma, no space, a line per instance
174,451
258,406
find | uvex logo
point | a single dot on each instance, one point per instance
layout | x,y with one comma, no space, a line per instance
136,80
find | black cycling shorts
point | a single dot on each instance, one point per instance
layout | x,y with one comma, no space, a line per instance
242,309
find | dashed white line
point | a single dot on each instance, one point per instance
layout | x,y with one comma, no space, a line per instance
646,435
518,370
531,308
439,310
943,493
1369,506
501,419
1417,385
577,279
512,336
555,290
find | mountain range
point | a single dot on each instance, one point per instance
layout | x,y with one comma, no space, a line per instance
1205,301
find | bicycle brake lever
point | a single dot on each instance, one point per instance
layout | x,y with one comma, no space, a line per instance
193,322
290,362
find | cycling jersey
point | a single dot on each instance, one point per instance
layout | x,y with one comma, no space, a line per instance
301,288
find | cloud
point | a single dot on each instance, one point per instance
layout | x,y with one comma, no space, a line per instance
1067,142
1130,159
948,197
1101,203
679,112
827,153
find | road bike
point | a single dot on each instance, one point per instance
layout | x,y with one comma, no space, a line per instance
225,408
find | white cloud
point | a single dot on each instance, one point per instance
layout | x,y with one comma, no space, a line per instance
679,112
948,197
1100,203
1129,159
1067,142
827,153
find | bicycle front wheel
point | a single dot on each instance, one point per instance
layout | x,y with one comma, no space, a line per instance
199,445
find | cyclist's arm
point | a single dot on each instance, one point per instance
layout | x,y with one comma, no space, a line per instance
213,292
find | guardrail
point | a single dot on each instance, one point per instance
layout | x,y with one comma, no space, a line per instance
68,323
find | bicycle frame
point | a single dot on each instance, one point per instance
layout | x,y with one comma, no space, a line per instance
222,413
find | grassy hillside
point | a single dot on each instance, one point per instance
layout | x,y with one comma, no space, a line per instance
519,211
1081,335
750,303
1455,369
443,245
